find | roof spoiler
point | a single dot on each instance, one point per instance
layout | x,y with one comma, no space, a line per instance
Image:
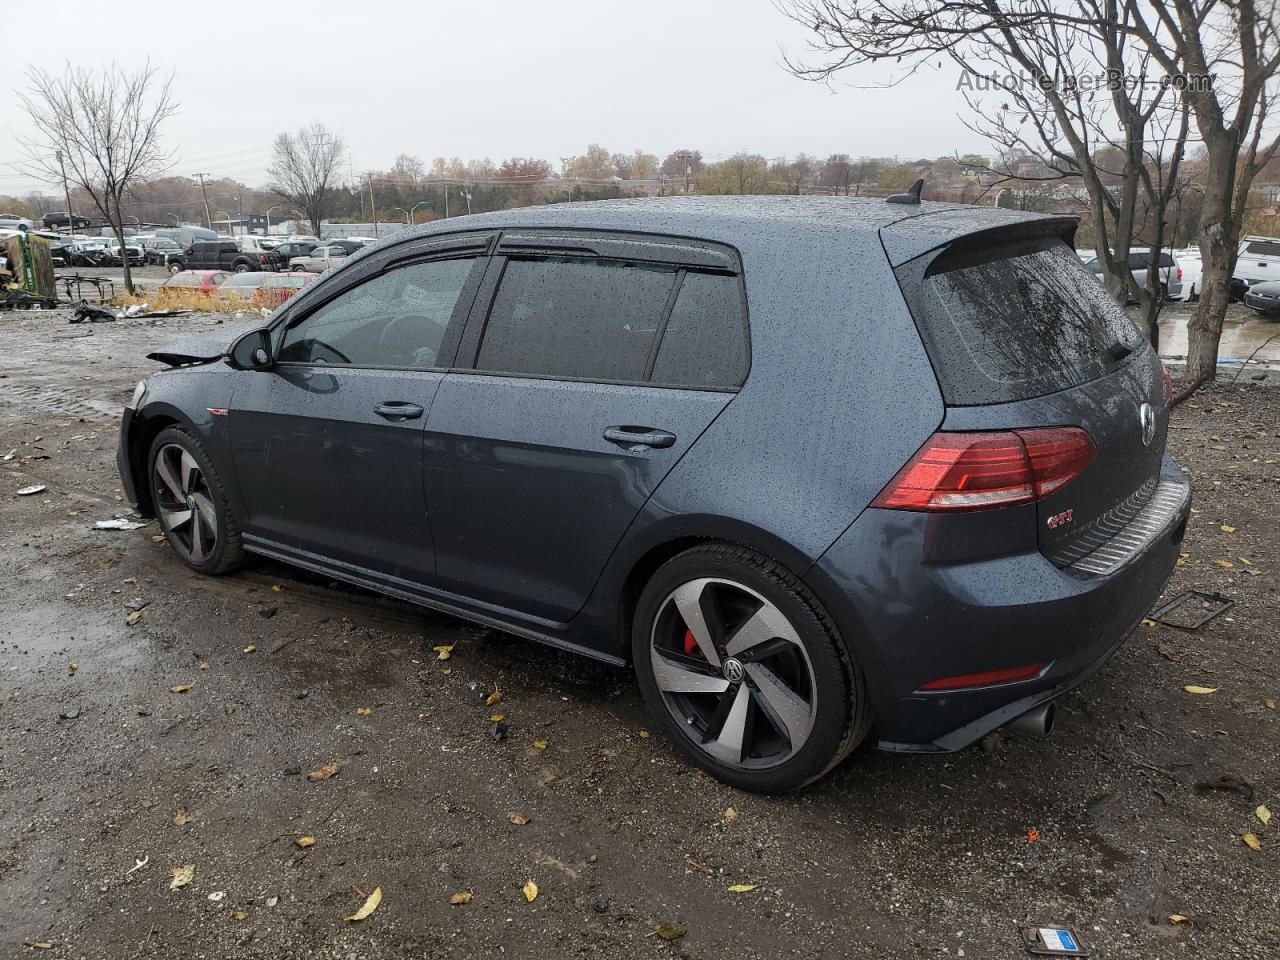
912,195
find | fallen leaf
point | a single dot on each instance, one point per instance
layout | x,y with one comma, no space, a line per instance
183,816
182,875
444,651
303,842
741,887
1178,918
364,711
276,588
157,538
181,688
1246,561
250,648
461,897
133,618
1225,564
730,815
1192,688
540,744
1226,528
519,819
323,773
670,931
239,914
530,891
1148,622
1251,841
370,905
204,665
495,697
1254,573
496,718
1271,704
41,945
1033,835
1263,814
644,734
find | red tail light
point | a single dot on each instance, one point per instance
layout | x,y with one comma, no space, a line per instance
1168,383
977,471
1179,273
262,258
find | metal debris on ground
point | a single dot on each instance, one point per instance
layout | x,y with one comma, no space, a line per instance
1191,610
32,490
1053,941
90,314
119,523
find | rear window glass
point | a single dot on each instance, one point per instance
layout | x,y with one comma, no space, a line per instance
705,341
1264,248
1010,322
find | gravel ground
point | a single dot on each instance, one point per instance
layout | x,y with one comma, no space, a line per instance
103,766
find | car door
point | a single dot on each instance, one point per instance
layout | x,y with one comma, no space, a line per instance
545,447
328,442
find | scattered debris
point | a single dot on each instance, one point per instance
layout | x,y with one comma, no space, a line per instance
741,887
540,744
266,613
182,687
498,731
1192,688
86,313
32,490
138,864
1227,783
669,931
530,891
443,651
495,697
519,819
303,842
182,875
1053,941
370,905
1251,841
217,896
183,816
324,773
1263,814
461,897
70,714
1193,609
119,523
364,711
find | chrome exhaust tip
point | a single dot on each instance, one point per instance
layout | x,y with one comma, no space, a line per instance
1037,722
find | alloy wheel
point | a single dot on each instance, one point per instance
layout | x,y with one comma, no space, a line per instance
184,503
733,673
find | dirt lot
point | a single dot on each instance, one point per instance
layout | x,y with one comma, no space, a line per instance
102,766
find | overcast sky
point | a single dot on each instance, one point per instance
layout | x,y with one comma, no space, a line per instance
484,78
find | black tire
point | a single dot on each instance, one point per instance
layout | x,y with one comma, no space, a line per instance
226,553
241,268
833,691
175,266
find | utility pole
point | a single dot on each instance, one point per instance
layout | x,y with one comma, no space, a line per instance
446,200
71,220
208,218
372,207
468,196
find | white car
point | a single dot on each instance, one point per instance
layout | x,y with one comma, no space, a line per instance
1257,260
320,260
12,221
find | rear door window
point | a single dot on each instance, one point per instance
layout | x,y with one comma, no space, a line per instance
705,340
1264,248
590,319
1013,321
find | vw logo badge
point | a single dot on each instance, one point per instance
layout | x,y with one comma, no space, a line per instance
733,670
1147,420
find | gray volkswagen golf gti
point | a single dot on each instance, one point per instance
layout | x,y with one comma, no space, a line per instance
813,466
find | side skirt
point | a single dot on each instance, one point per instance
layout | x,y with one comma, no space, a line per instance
435,600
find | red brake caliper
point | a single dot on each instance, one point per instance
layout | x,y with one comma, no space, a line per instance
690,644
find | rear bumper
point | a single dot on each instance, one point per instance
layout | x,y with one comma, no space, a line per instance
910,621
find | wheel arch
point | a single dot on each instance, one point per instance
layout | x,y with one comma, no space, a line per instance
147,424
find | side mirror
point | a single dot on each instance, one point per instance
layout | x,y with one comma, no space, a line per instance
252,351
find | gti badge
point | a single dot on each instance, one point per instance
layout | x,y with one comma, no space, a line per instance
1060,519
1147,419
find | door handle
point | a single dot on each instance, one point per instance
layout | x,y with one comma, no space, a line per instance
637,438
398,410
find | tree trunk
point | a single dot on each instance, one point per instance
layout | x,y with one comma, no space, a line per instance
1218,239
117,226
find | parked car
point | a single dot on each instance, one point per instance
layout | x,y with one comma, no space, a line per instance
90,253
1170,282
1264,297
60,219
1257,261
349,244
600,447
13,221
295,248
279,287
224,255
320,259
203,281
158,250
135,253
1188,258
252,243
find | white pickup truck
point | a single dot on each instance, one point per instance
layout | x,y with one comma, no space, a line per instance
1257,260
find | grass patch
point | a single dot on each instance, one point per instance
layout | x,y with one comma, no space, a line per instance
185,298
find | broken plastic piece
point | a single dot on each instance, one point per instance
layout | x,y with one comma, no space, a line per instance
1053,941
1191,610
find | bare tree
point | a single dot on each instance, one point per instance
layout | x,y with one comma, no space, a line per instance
105,128
304,169
1220,56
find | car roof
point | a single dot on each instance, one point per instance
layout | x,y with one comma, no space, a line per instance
916,228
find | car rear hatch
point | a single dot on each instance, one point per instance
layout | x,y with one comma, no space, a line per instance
1024,340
